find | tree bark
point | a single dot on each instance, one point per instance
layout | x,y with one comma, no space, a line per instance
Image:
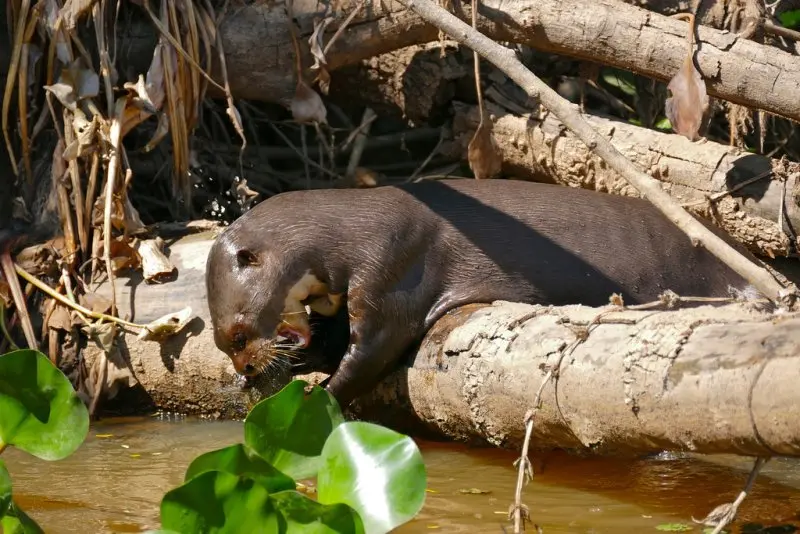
708,379
540,148
611,32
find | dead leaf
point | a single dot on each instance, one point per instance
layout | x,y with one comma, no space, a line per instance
482,154
96,303
41,260
84,140
102,334
6,298
51,15
107,371
307,106
244,196
73,10
155,264
316,47
133,222
688,105
74,84
166,325
60,319
364,177
123,254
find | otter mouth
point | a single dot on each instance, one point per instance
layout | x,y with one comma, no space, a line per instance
290,337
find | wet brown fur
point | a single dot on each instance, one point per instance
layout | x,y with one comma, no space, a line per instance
405,255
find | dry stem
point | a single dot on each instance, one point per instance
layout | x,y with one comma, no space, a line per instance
506,60
74,305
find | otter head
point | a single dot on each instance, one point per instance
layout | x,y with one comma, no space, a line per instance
255,296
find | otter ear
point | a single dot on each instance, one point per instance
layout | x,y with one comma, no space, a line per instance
246,257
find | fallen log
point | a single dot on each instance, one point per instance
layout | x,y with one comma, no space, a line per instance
611,32
541,148
708,379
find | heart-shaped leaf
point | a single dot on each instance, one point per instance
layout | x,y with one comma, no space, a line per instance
289,428
12,519
219,502
5,489
376,471
18,522
306,516
239,460
39,410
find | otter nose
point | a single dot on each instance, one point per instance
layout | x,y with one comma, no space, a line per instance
242,365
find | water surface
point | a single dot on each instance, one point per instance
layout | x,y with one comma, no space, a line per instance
115,481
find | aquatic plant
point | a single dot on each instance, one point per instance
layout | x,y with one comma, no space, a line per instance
41,414
370,479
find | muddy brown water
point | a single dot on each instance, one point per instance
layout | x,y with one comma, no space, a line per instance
115,481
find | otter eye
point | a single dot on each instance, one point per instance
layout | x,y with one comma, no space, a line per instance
239,341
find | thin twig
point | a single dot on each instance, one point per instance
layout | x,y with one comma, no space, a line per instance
429,158
178,48
524,468
723,194
7,268
3,327
506,61
783,31
359,143
344,25
66,302
727,512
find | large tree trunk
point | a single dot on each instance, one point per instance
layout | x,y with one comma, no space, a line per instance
710,379
611,32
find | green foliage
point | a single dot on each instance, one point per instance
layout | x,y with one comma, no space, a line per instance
216,501
663,124
5,489
370,479
621,79
674,527
375,470
12,519
41,414
790,19
239,460
289,428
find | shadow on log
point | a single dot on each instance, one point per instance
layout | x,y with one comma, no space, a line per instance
543,149
705,379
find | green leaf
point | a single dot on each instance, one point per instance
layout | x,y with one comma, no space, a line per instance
18,522
790,19
239,460
5,489
622,80
306,516
376,471
664,124
289,428
219,502
39,410
673,527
